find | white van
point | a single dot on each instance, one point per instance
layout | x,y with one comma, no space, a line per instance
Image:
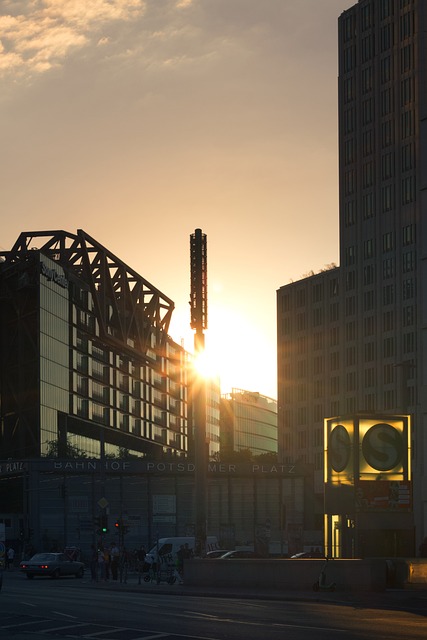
166,548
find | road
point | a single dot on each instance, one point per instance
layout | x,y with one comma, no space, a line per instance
72,608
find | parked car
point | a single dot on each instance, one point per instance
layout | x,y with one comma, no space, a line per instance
239,553
216,553
53,565
308,554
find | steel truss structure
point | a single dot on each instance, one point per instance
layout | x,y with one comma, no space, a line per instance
127,306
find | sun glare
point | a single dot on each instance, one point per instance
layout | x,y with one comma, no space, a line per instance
206,366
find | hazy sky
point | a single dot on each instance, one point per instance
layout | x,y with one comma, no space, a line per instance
142,120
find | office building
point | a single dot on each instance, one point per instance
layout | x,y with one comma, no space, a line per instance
248,421
87,365
352,339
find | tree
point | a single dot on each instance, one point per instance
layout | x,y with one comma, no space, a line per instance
71,450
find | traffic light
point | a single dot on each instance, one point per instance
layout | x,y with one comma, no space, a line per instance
101,523
118,525
104,523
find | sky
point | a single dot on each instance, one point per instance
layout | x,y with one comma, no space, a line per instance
140,121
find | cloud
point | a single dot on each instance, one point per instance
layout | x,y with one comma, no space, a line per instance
38,35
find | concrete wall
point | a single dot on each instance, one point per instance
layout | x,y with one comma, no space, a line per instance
409,572
298,574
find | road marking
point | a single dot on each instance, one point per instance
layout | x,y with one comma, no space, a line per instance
66,615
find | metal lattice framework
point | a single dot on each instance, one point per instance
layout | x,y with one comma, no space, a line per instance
127,306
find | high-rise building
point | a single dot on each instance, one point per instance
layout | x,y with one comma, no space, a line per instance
87,365
353,339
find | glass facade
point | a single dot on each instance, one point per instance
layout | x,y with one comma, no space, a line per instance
54,352
248,421
78,377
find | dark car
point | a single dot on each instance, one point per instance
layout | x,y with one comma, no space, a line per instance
54,565
216,553
239,553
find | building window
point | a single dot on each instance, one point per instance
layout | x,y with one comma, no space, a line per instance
369,248
388,347
301,322
406,91
350,255
408,157
369,326
350,356
408,189
408,235
387,197
408,289
366,16
301,298
335,385
370,377
350,306
388,294
335,360
349,182
333,287
349,28
408,316
367,111
388,320
368,274
367,79
389,399
318,365
349,58
317,292
334,336
368,300
369,352
348,90
368,175
386,37
351,381
349,120
367,143
388,241
387,133
333,312
317,340
386,8
388,268
387,166
350,280
386,102
386,69
350,213
407,123
317,317
406,58
389,370
368,205
350,331
408,260
409,343
406,25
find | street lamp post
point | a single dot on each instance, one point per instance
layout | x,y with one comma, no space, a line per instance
198,303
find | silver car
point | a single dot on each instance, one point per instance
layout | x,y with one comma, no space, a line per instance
53,565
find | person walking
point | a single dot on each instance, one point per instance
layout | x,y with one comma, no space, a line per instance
140,560
10,556
114,555
93,563
101,564
107,563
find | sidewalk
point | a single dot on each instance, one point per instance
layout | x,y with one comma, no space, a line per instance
405,599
